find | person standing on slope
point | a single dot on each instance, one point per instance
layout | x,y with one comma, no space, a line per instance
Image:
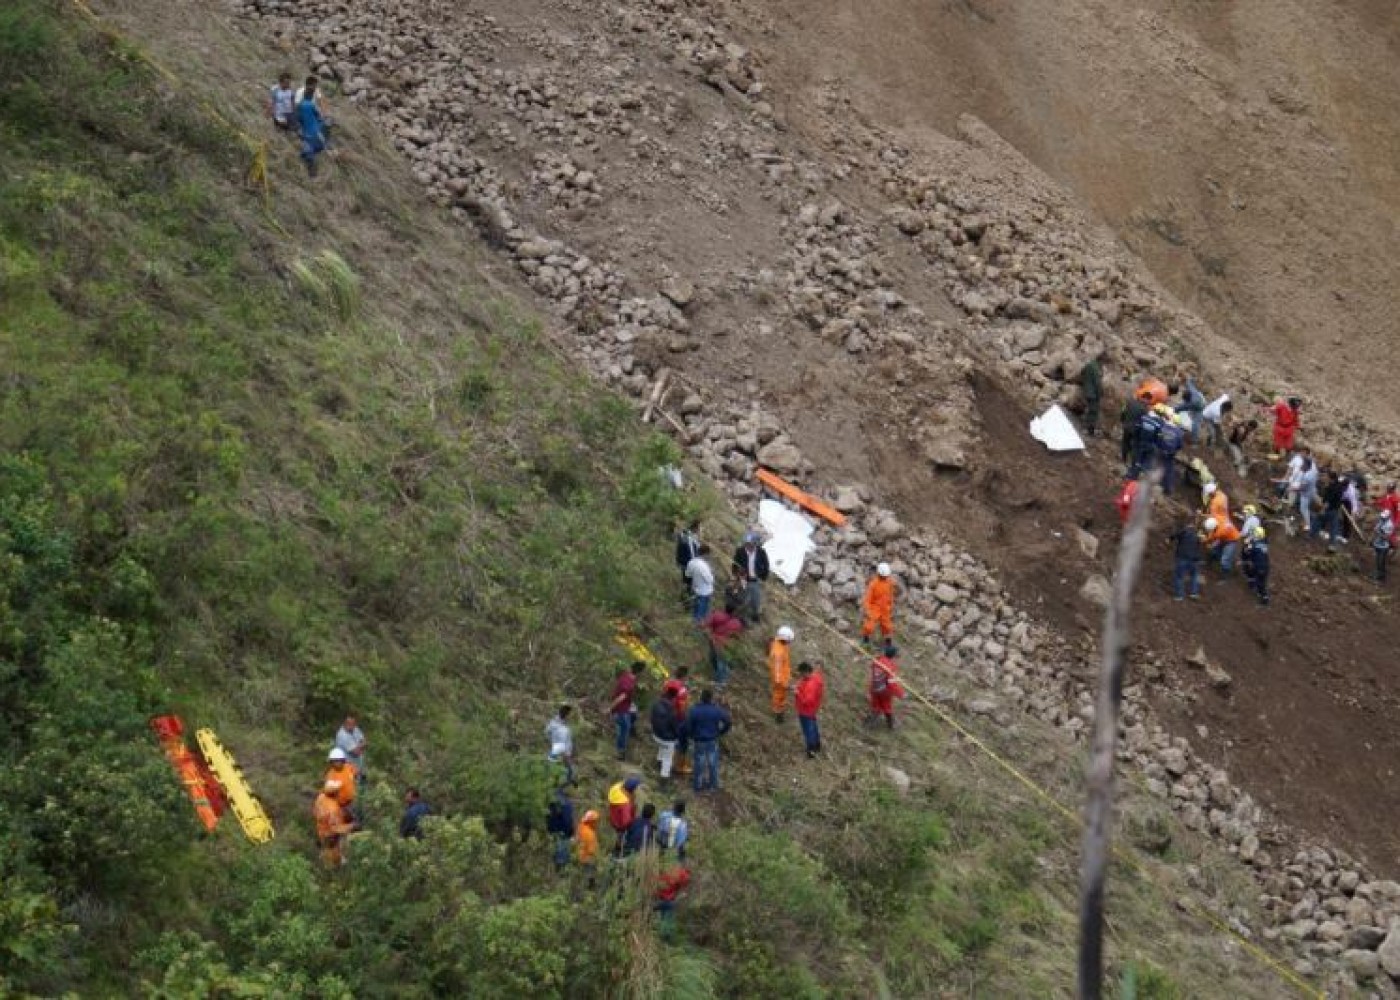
1091,388
750,564
312,126
811,689
702,583
884,686
1287,423
707,723
332,827
780,670
879,605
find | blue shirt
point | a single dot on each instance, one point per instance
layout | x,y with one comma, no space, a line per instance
707,722
309,117
412,817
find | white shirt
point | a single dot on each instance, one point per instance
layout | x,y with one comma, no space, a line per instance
561,738
701,577
1213,411
283,102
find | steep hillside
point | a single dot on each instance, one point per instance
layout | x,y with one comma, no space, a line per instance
1247,152
270,459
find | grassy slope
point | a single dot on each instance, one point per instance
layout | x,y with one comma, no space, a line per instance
226,493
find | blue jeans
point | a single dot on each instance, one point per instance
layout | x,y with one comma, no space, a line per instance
811,735
1187,570
700,607
753,600
719,666
1331,522
622,724
1225,552
705,764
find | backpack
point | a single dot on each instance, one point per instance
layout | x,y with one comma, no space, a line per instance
666,828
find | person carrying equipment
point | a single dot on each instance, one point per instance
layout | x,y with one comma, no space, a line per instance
884,686
343,772
332,828
879,604
780,670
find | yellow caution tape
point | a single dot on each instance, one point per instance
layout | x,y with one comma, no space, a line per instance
256,826
628,640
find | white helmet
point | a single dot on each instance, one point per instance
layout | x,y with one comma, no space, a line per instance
786,634
336,754
1211,524
1209,488
883,569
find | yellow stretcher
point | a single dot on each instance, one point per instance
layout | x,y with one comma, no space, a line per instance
256,826
628,640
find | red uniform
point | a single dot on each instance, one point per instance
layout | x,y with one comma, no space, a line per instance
682,695
808,697
1286,424
884,686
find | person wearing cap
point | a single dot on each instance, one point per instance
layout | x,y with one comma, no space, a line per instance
780,670
332,828
706,724
1187,570
1251,520
561,741
1256,563
1217,502
884,686
586,845
622,807
1223,539
414,811
1287,422
750,564
341,770
879,604
807,698
350,738
1382,541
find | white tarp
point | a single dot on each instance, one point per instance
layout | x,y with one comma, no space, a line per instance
789,539
1054,429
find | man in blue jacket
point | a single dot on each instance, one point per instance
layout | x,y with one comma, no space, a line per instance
706,723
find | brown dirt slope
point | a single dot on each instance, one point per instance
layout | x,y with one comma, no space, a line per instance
1247,151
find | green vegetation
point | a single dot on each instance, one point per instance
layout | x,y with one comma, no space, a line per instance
261,474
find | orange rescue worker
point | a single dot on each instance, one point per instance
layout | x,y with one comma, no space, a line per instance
879,604
1217,503
1152,391
586,844
331,825
780,669
342,772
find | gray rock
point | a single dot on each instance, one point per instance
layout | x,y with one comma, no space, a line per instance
1097,590
1364,965
1030,339
1218,677
1389,951
847,500
1088,544
780,456
1368,938
692,404
946,593
899,779
680,291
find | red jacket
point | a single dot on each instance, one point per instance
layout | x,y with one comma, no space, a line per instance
672,884
808,696
723,626
682,695
622,808
1285,417
1124,500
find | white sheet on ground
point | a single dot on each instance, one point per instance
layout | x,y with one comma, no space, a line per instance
1054,429
789,539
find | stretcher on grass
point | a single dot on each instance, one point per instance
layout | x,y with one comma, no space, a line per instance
256,826
629,641
199,782
803,499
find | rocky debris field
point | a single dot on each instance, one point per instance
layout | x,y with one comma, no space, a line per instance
773,255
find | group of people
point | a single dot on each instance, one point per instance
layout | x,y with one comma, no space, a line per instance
1159,420
302,112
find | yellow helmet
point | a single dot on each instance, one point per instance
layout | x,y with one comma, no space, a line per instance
1258,532
1250,510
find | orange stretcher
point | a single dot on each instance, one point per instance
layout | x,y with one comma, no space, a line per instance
200,785
784,488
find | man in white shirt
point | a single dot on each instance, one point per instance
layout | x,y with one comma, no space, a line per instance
702,583
350,739
561,741
281,102
1214,418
